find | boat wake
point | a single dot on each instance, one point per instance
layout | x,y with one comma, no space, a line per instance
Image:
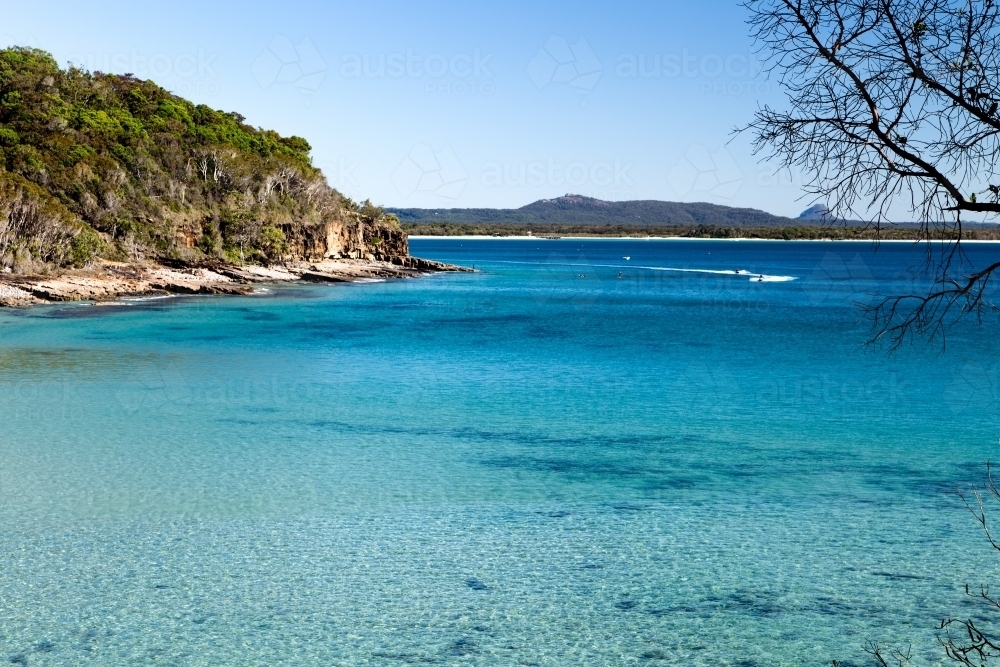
749,275
753,277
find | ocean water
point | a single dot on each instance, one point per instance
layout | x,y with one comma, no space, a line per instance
590,452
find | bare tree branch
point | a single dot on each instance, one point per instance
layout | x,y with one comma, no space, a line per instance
891,101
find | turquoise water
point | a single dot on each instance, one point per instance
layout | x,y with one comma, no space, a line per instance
569,458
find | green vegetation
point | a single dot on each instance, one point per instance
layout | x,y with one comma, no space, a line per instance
95,164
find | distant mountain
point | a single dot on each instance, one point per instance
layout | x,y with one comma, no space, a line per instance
575,215
819,213
579,210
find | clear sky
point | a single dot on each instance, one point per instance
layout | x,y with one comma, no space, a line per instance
445,104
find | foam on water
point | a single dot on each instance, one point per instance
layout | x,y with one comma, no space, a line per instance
754,277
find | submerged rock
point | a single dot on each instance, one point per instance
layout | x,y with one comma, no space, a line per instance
476,585
463,646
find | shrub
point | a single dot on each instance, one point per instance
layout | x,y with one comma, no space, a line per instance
271,241
84,247
9,137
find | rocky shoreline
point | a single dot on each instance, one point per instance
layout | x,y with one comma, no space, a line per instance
107,281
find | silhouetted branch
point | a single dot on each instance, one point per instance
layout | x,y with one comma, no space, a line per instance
891,101
898,317
964,641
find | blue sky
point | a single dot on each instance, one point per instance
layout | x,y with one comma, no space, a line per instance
443,104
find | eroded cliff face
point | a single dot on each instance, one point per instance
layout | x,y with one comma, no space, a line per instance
337,239
333,239
365,240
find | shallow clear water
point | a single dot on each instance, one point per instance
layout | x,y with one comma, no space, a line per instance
569,458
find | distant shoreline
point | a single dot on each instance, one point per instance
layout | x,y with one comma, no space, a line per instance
568,237
704,231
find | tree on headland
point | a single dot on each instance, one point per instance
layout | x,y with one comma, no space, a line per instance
892,103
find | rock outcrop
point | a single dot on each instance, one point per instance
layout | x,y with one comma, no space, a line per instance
109,281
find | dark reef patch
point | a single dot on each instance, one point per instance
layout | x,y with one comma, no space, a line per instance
462,647
262,317
476,585
896,576
655,654
409,658
833,607
85,310
758,603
